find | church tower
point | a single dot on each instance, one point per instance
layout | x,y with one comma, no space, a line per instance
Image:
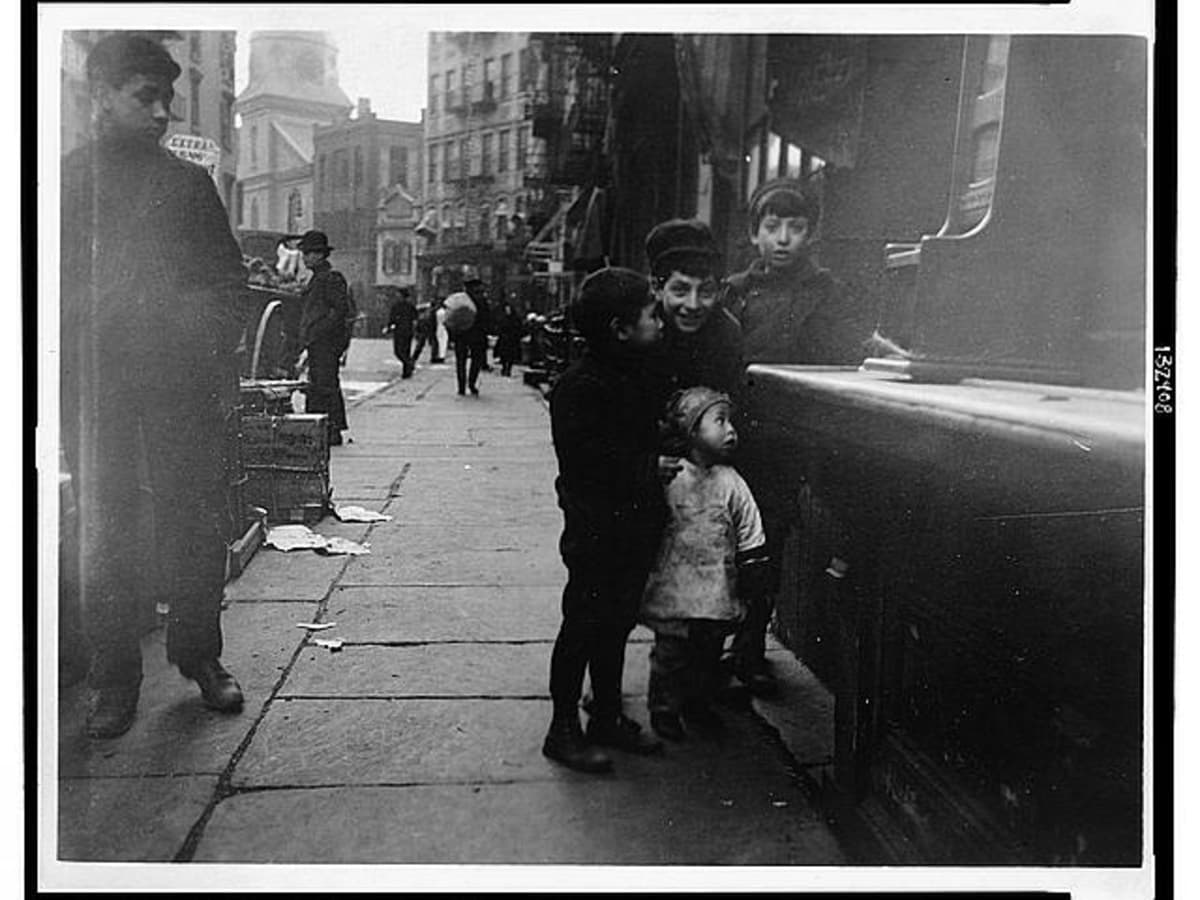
293,87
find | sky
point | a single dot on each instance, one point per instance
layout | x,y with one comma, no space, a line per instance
385,64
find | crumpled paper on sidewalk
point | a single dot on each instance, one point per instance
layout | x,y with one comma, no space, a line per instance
360,514
301,537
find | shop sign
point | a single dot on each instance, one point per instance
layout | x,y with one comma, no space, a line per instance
200,150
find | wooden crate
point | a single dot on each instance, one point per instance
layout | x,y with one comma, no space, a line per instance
288,495
298,441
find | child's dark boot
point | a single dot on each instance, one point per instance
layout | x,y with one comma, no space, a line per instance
623,733
667,725
566,744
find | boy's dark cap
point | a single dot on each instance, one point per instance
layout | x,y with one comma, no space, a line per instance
123,54
604,294
777,187
679,238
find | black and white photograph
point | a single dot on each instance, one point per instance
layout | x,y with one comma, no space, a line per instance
599,448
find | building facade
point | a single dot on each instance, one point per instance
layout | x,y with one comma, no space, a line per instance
204,95
293,87
481,160
361,162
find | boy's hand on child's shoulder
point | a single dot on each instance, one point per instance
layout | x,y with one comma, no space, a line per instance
668,468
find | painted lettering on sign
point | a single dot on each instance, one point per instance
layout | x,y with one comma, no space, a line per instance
200,150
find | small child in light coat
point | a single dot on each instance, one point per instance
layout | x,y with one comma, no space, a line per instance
711,558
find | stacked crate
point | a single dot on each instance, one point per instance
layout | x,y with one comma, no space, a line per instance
286,458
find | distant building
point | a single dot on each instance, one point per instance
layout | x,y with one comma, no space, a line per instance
508,153
204,95
361,163
293,86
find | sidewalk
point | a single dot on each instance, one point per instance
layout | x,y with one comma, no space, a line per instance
419,742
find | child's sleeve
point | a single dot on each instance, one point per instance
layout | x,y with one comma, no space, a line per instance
746,518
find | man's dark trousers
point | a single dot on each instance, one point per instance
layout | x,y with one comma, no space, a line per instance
174,418
475,348
325,385
402,347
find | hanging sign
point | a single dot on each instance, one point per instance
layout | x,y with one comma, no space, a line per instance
200,150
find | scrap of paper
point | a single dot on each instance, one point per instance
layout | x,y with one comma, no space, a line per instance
360,514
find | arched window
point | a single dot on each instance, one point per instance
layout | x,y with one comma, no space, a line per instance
405,258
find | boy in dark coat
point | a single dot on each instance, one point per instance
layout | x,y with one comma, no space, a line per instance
324,332
702,341
791,311
604,426
402,317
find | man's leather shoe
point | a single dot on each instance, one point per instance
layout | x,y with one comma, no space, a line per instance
111,710
217,687
566,744
622,733
667,725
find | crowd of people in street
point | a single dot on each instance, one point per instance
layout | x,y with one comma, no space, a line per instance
659,526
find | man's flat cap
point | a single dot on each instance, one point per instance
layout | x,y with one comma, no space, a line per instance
123,54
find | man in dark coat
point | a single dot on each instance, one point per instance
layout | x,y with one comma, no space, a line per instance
324,332
402,316
470,345
604,424
152,291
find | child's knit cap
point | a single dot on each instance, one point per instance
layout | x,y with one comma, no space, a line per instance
684,411
788,192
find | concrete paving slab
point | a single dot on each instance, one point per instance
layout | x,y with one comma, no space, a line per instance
138,819
424,670
802,713
299,575
324,742
654,811
174,732
429,613
396,558
564,822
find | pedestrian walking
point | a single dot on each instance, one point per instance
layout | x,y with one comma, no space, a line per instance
425,332
401,320
470,343
508,339
609,486
709,564
325,332
152,298
791,311
441,337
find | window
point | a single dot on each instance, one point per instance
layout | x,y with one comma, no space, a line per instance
406,258
433,95
295,212
341,169
398,165
506,74
485,223
433,161
254,213
522,147
358,166
321,172
450,161
450,90
253,146
464,158
489,72
194,103
502,152
485,162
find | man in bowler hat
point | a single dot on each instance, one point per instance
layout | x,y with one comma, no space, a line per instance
151,294
324,332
